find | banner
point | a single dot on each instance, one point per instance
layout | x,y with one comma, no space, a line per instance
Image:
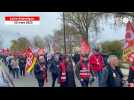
129,42
31,60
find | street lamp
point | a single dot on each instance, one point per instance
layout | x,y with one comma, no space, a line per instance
64,33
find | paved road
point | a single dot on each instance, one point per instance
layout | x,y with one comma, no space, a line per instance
30,81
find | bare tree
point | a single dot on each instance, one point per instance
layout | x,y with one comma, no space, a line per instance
72,37
48,41
83,20
38,42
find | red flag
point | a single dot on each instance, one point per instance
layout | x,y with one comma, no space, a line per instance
129,37
31,60
85,47
129,42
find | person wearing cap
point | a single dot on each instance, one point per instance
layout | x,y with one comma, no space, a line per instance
83,70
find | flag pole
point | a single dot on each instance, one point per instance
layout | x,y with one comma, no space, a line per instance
64,33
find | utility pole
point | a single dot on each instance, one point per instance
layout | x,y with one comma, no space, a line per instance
64,33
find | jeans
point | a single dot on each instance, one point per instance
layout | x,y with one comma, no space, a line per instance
99,77
22,71
54,77
15,73
40,82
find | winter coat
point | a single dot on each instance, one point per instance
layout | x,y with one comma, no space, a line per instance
54,67
39,74
131,75
76,58
112,78
77,70
70,82
22,62
96,62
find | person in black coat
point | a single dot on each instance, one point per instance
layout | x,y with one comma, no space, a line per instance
131,75
54,69
40,71
76,58
22,64
70,81
112,75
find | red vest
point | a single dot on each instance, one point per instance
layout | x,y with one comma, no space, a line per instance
63,72
84,70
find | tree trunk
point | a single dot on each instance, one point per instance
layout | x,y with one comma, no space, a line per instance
85,36
70,46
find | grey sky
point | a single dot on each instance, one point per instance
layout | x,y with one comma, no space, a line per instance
49,22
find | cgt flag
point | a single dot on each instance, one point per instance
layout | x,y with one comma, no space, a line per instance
129,42
31,60
84,47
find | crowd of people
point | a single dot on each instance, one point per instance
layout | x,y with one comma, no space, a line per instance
91,68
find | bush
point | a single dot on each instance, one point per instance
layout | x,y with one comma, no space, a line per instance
112,48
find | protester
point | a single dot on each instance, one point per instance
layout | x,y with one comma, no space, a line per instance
46,60
76,58
105,57
54,68
97,64
112,75
83,71
62,76
9,64
15,68
22,64
40,71
5,78
131,75
70,80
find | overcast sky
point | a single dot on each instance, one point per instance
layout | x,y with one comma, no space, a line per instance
48,23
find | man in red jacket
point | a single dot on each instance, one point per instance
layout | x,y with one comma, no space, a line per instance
97,64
